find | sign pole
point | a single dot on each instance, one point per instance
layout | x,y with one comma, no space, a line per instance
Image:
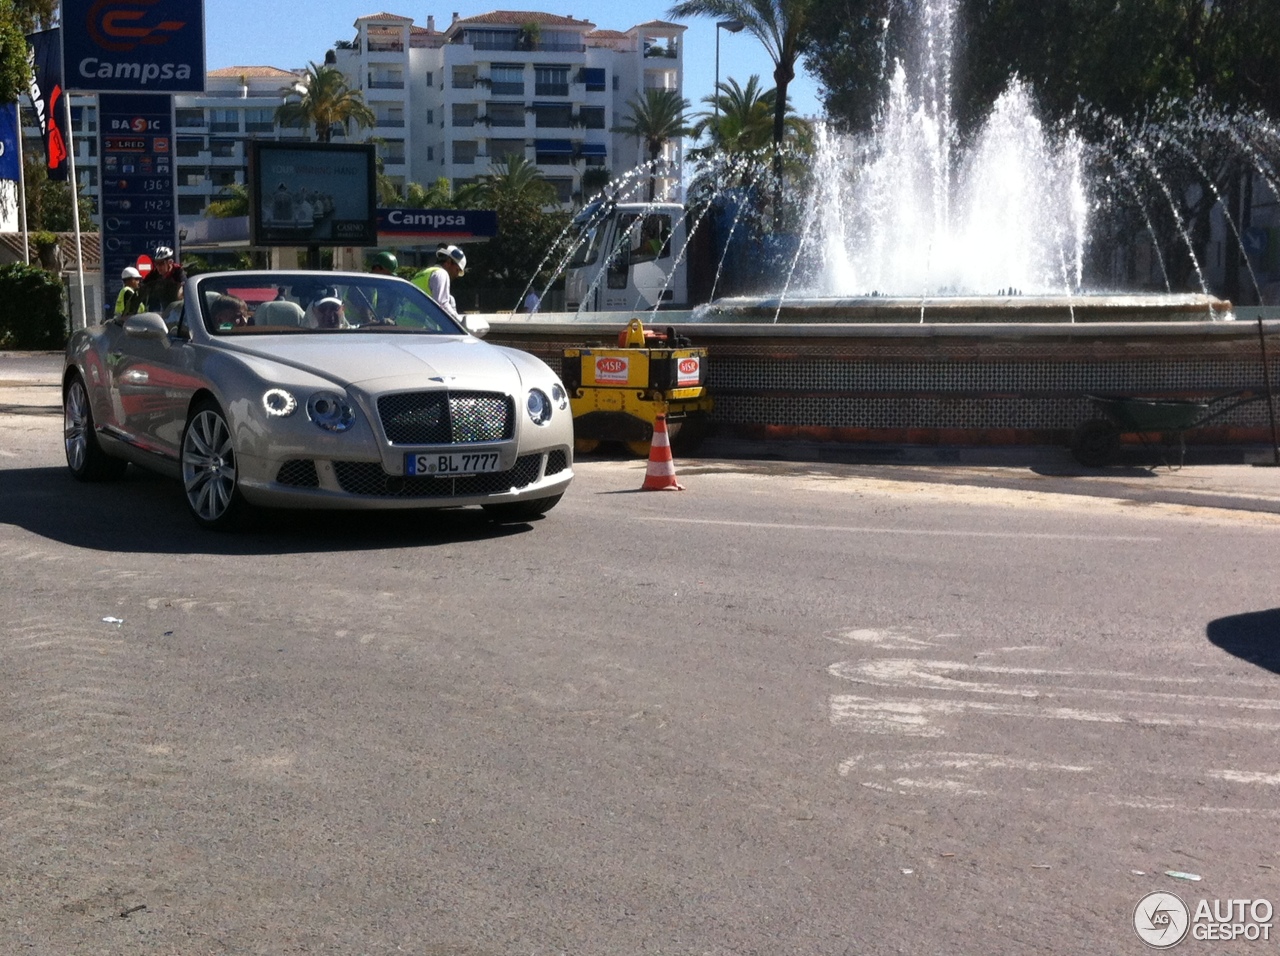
75,208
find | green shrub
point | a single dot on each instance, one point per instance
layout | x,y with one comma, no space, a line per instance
32,317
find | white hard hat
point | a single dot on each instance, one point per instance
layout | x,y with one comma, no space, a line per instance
129,272
457,255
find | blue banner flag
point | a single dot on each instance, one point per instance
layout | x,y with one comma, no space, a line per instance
9,155
47,98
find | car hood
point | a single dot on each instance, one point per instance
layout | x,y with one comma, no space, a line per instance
379,362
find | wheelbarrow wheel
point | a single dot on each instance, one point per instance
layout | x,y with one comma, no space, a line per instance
1094,443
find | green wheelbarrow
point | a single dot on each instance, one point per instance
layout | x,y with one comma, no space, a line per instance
1094,442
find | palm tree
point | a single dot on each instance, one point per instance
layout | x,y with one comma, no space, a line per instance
232,201
741,119
515,181
325,101
656,118
439,195
780,26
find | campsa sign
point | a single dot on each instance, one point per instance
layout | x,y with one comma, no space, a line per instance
134,46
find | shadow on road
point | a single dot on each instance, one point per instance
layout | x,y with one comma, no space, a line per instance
145,513
1252,637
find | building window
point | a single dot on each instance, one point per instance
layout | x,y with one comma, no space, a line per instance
393,151
616,85
431,153
431,117
592,117
190,205
464,152
224,121
189,146
189,119
464,77
88,177
222,148
508,79
563,187
500,150
553,152
392,117
551,81
594,79
386,80
259,121
430,80
506,115
464,114
554,115
222,177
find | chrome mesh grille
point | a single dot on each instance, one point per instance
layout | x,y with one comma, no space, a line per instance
557,461
446,418
298,473
367,478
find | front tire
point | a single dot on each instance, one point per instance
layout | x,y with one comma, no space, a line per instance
522,510
85,457
210,477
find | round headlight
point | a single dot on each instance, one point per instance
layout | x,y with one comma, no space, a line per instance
331,411
539,406
279,403
559,396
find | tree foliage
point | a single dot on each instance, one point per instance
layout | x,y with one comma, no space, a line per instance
325,102
655,118
782,27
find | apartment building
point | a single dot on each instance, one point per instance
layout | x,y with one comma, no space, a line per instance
450,102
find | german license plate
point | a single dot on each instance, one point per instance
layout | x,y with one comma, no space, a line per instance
451,464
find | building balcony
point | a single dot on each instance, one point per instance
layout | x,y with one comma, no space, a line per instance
385,84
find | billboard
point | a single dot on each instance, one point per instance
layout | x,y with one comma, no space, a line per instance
134,46
135,150
312,194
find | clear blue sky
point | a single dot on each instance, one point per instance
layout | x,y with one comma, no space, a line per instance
260,33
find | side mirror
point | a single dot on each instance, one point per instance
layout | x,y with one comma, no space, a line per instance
146,325
476,325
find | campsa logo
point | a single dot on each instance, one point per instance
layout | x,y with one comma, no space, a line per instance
122,26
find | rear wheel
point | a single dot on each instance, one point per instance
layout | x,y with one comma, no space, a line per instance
85,457
522,510
1094,443
210,478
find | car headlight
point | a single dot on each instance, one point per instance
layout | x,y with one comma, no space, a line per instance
559,396
278,403
538,406
331,411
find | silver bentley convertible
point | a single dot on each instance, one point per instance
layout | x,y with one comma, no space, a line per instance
316,390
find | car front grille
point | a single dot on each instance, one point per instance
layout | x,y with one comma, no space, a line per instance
368,478
557,461
298,473
446,418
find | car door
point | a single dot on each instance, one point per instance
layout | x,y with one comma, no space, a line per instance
152,384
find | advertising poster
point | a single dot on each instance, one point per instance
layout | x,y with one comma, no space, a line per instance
313,194
135,149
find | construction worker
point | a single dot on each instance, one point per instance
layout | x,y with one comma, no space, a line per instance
129,299
436,281
384,264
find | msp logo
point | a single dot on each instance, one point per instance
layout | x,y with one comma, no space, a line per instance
1161,920
123,25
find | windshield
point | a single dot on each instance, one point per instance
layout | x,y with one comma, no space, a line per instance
312,303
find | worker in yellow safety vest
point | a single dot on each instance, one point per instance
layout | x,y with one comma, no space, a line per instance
436,280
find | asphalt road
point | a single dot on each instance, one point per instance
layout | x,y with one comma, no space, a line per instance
796,709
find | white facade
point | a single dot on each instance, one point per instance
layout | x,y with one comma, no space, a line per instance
548,88
448,104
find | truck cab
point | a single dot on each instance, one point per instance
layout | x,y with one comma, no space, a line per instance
628,258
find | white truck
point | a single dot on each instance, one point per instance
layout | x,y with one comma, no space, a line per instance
630,258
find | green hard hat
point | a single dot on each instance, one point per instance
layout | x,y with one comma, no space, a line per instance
386,260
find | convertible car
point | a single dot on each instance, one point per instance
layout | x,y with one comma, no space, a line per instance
316,390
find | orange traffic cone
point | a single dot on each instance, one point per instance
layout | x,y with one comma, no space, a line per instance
660,475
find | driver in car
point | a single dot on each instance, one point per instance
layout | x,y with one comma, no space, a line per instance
327,312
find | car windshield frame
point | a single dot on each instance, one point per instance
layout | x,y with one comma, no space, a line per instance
294,303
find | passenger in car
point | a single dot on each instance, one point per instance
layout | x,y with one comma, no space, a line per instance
229,311
327,313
